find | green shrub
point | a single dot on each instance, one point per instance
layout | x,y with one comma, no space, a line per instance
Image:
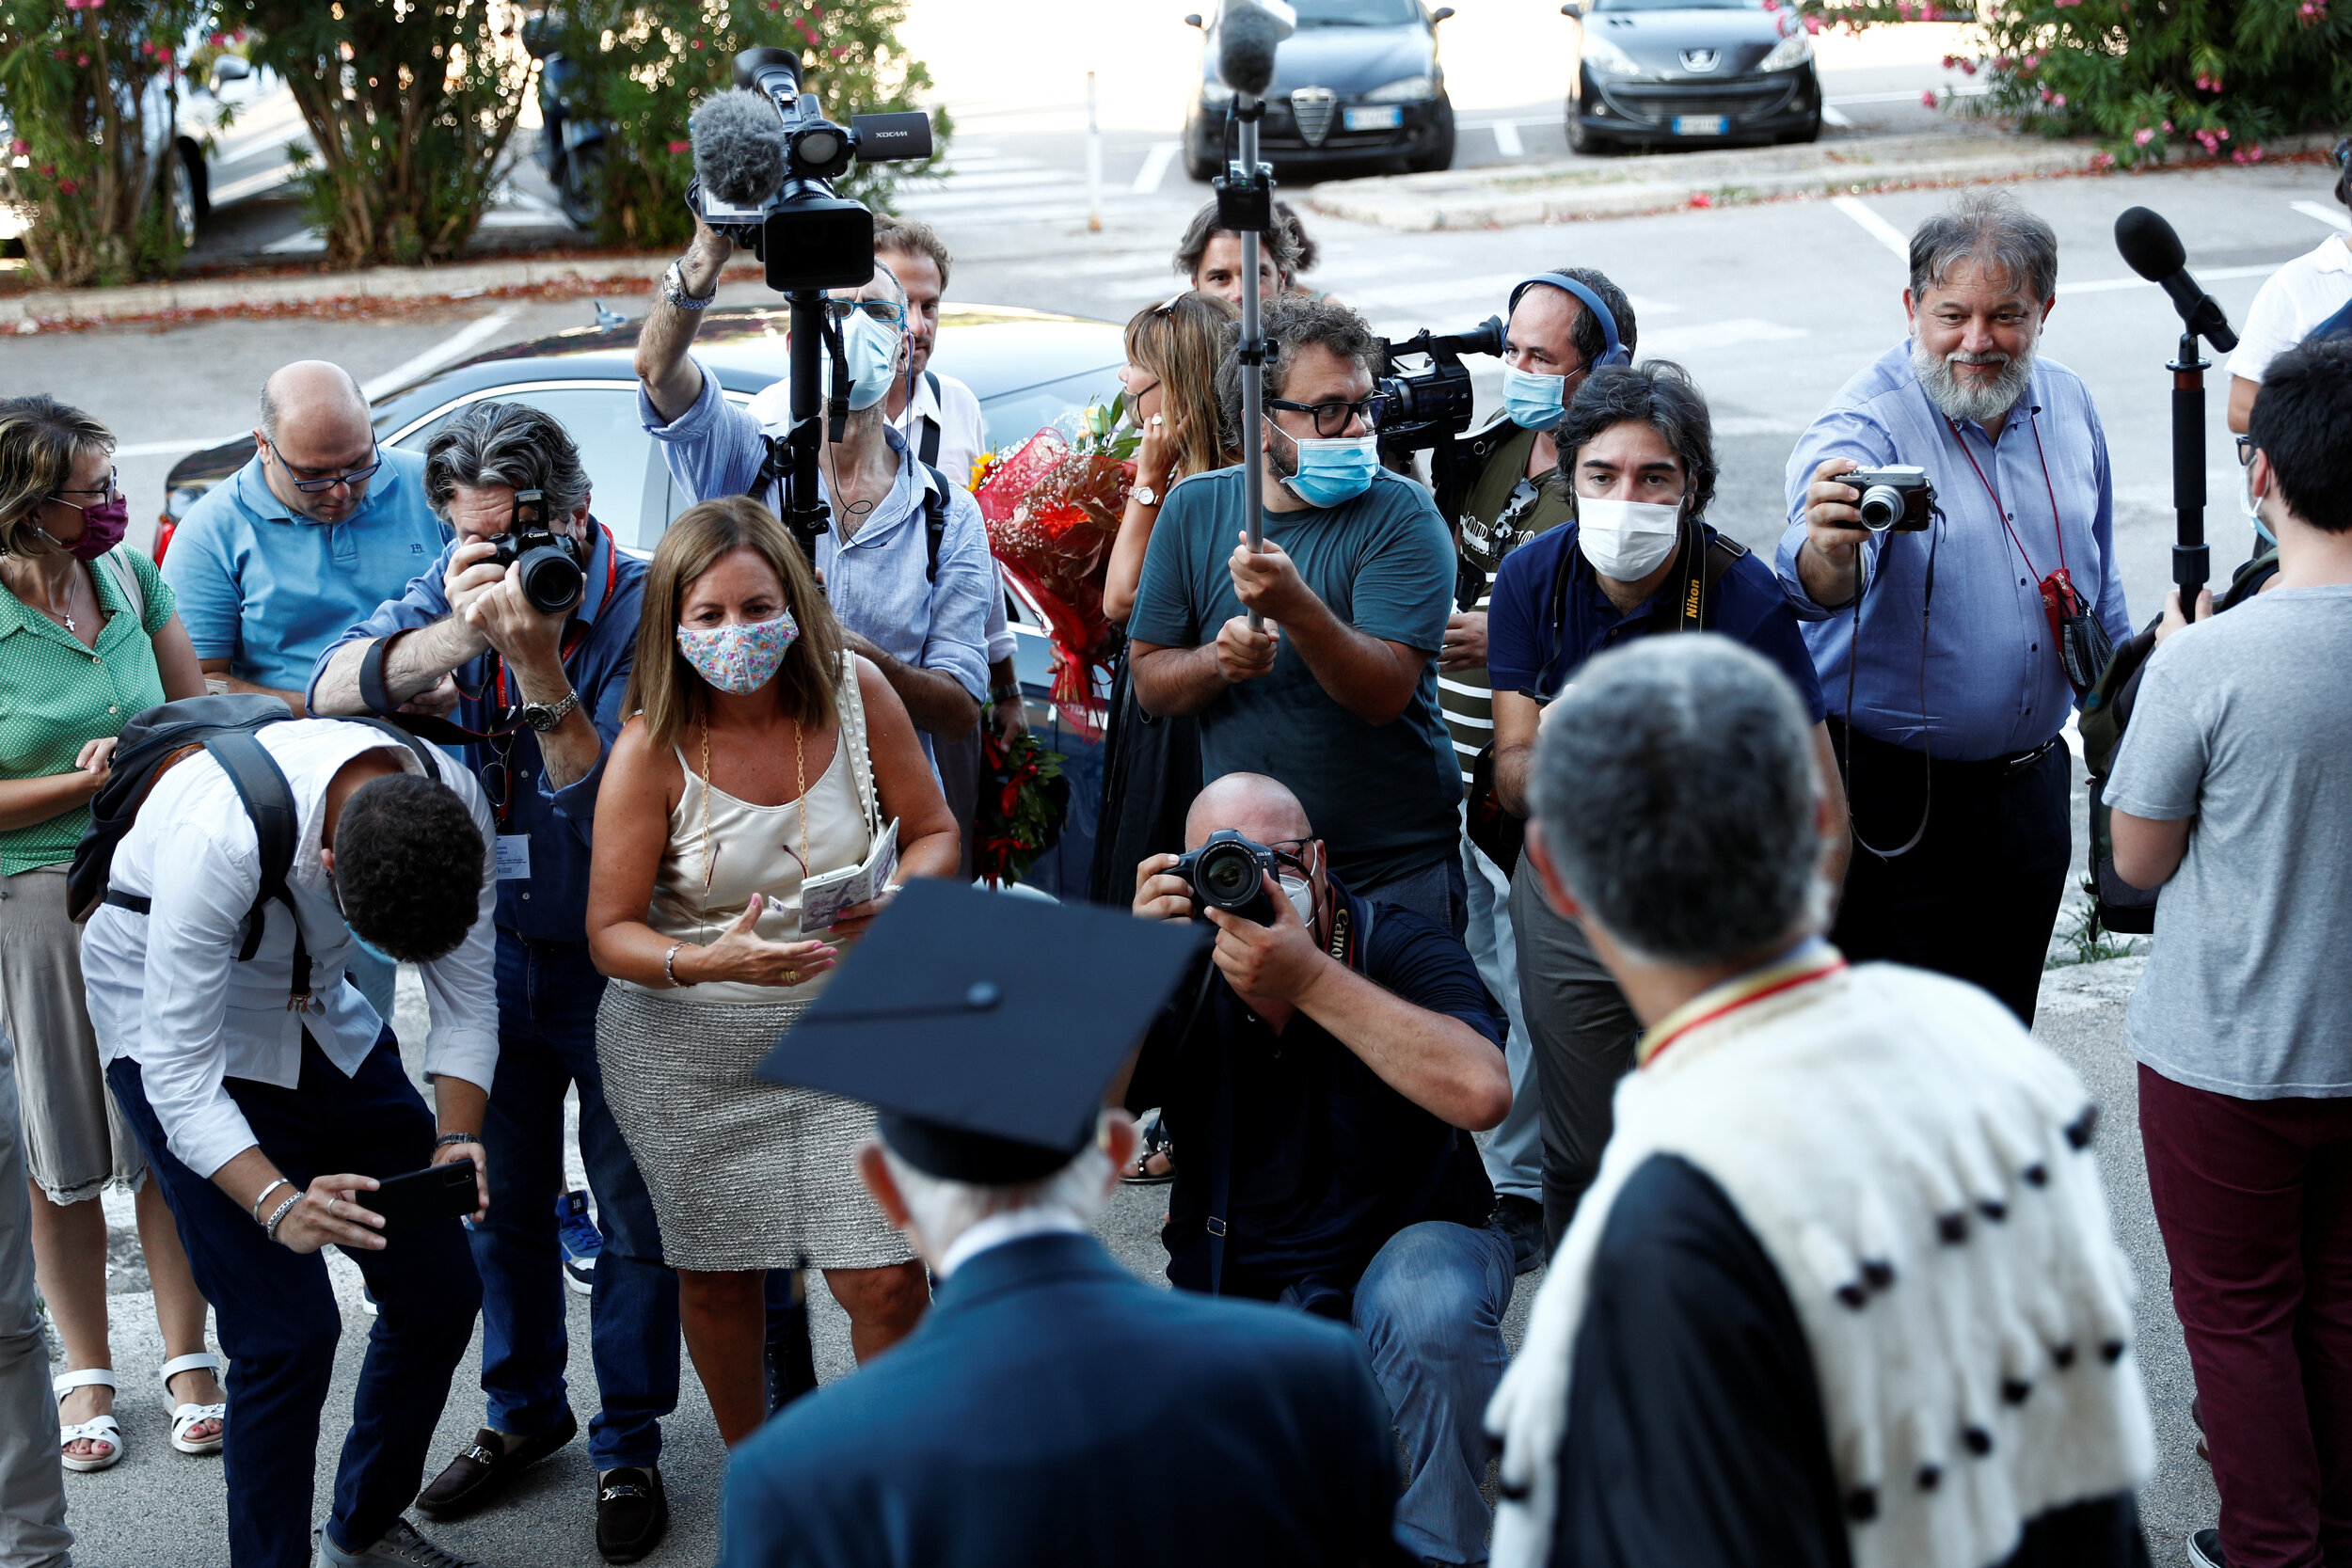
2149,76
409,102
645,64
89,90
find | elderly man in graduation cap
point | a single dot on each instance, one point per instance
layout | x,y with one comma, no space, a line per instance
1843,1294
1052,1408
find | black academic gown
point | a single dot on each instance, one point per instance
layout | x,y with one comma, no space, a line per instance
1695,1434
1053,1409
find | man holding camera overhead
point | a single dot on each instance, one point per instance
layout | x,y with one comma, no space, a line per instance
1335,694
1561,325
527,625
905,565
1957,612
1324,1079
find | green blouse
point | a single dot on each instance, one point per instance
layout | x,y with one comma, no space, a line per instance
56,696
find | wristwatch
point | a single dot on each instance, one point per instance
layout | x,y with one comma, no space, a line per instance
544,717
1145,494
674,290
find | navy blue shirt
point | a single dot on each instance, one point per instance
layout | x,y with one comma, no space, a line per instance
1328,1160
550,904
1526,654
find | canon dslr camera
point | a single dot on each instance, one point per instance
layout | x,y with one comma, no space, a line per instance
1227,873
1895,500
539,558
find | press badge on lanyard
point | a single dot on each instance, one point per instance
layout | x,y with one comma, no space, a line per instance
514,856
2083,644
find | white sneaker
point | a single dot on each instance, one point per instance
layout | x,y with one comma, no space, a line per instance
400,1545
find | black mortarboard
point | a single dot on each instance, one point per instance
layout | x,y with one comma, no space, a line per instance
984,1027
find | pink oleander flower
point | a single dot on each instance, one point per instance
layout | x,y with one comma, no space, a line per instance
1927,101
19,146
1700,198
2168,126
2103,160
2142,137
681,147
2058,102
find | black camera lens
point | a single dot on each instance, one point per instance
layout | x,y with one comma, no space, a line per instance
1881,507
1228,876
1226,872
550,578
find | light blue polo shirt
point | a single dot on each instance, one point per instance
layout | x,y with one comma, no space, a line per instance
271,590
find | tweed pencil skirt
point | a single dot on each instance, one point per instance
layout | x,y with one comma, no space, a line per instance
744,1174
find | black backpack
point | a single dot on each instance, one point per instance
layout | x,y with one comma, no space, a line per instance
225,726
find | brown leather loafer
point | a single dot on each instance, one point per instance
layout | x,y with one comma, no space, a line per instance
477,1476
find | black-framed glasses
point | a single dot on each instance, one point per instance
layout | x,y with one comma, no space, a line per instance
312,487
886,311
2244,451
1333,419
1293,852
112,487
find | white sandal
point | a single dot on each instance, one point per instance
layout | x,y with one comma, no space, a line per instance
185,1416
98,1428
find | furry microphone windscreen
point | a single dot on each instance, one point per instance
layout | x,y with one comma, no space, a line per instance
1246,36
738,147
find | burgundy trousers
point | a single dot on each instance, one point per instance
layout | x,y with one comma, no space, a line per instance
2255,1197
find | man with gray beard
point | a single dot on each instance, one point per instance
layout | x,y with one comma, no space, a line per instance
1943,652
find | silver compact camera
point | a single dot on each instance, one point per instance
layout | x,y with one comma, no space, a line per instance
1896,498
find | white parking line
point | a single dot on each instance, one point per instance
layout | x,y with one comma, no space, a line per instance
2107,285
1832,115
441,353
173,448
1154,167
251,184
1507,139
1874,226
2329,215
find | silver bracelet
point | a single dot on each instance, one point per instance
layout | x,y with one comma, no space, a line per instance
667,960
281,1182
270,1226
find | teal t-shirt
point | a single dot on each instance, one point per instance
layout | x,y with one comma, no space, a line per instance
1385,797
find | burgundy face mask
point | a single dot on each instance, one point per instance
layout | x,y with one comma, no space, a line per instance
103,527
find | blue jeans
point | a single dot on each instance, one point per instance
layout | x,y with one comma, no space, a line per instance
1436,891
548,1042
276,1314
1514,1153
1430,1310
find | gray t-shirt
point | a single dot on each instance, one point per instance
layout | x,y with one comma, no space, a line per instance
2245,723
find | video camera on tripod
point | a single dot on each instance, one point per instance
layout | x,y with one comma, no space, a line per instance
765,160
1429,410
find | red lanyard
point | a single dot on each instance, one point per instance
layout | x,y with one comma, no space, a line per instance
1734,995
2002,512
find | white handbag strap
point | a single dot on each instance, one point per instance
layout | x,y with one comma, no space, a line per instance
853,704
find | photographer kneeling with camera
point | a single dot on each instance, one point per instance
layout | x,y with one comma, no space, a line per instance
1324,1077
279,1119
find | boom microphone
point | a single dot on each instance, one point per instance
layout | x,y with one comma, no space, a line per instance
1246,32
2151,249
739,149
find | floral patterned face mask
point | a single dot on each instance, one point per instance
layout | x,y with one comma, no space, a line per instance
739,658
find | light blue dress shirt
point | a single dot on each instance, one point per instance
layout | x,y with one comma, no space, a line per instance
877,583
269,589
1976,674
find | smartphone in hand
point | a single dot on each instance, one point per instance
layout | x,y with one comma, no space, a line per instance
437,1191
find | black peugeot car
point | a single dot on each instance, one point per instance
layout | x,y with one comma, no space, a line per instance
1359,81
1662,73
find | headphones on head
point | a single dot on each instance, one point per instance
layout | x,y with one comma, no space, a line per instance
1615,353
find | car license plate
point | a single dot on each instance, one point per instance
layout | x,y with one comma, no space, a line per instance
1388,117
1701,125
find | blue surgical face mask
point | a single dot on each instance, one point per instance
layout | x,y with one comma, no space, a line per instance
1533,402
871,350
1334,469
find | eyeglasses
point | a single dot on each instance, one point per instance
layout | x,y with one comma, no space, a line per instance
886,311
2244,451
112,487
312,487
1293,852
1333,419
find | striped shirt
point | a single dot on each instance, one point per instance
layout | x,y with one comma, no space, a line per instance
56,696
1498,517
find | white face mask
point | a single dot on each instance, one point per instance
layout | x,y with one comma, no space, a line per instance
1301,893
1625,540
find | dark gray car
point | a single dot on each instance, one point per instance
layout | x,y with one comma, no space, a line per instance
1359,81
1668,72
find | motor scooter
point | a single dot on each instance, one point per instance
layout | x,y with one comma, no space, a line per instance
571,147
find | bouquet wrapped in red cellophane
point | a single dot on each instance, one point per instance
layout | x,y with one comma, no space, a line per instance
1053,505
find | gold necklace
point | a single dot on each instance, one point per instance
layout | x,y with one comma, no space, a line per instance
800,775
